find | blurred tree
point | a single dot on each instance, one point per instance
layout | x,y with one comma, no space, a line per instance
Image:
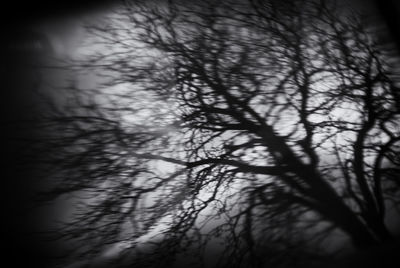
263,128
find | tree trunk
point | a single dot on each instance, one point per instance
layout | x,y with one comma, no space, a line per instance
327,202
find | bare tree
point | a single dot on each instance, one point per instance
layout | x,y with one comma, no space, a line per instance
263,127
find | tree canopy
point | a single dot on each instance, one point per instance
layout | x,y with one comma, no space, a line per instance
258,130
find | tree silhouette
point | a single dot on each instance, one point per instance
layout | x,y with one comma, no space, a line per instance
257,129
